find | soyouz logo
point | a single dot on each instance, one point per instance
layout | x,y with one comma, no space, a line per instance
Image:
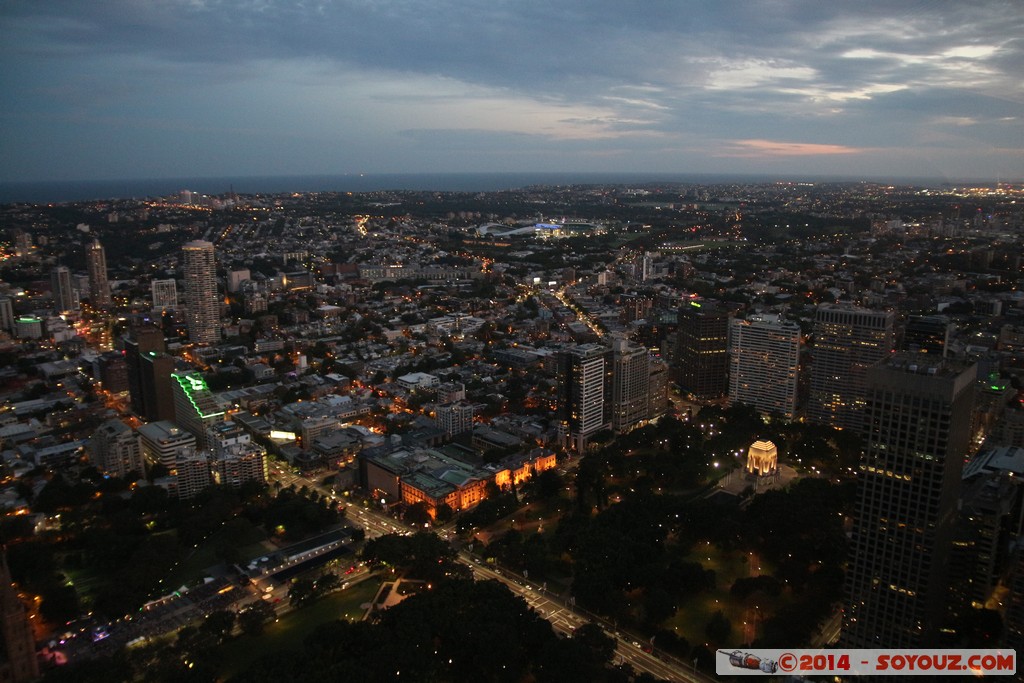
759,662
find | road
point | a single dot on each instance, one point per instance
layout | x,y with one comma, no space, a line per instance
564,617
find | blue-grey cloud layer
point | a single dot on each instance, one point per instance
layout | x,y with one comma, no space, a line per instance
116,88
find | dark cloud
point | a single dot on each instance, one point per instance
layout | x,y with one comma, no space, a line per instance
791,71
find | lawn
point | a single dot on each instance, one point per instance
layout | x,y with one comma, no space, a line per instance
292,628
693,614
195,565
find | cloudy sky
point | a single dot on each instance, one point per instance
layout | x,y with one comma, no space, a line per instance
99,89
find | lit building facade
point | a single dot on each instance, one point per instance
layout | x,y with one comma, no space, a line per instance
764,361
847,340
200,272
96,265
585,383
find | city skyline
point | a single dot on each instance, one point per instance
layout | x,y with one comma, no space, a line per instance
110,89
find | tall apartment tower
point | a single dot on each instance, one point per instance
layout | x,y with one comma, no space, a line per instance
192,472
702,351
194,407
847,341
454,418
584,378
240,464
165,294
200,273
657,397
917,428
631,381
6,314
18,661
764,359
96,265
64,296
114,449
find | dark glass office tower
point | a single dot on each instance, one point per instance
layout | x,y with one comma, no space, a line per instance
917,428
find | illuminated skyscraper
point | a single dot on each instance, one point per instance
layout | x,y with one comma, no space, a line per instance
200,271
847,340
584,377
96,264
764,357
917,427
65,298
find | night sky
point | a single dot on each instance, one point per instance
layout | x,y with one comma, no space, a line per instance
98,89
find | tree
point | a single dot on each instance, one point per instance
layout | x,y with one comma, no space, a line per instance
255,616
59,604
301,592
417,514
326,583
598,644
218,625
718,628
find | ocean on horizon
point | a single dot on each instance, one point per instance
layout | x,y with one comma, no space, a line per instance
53,192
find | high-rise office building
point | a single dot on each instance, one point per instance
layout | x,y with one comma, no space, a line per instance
847,340
927,334
114,449
165,294
162,441
200,272
96,265
917,428
630,389
194,406
65,298
702,349
585,379
112,370
149,373
764,359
